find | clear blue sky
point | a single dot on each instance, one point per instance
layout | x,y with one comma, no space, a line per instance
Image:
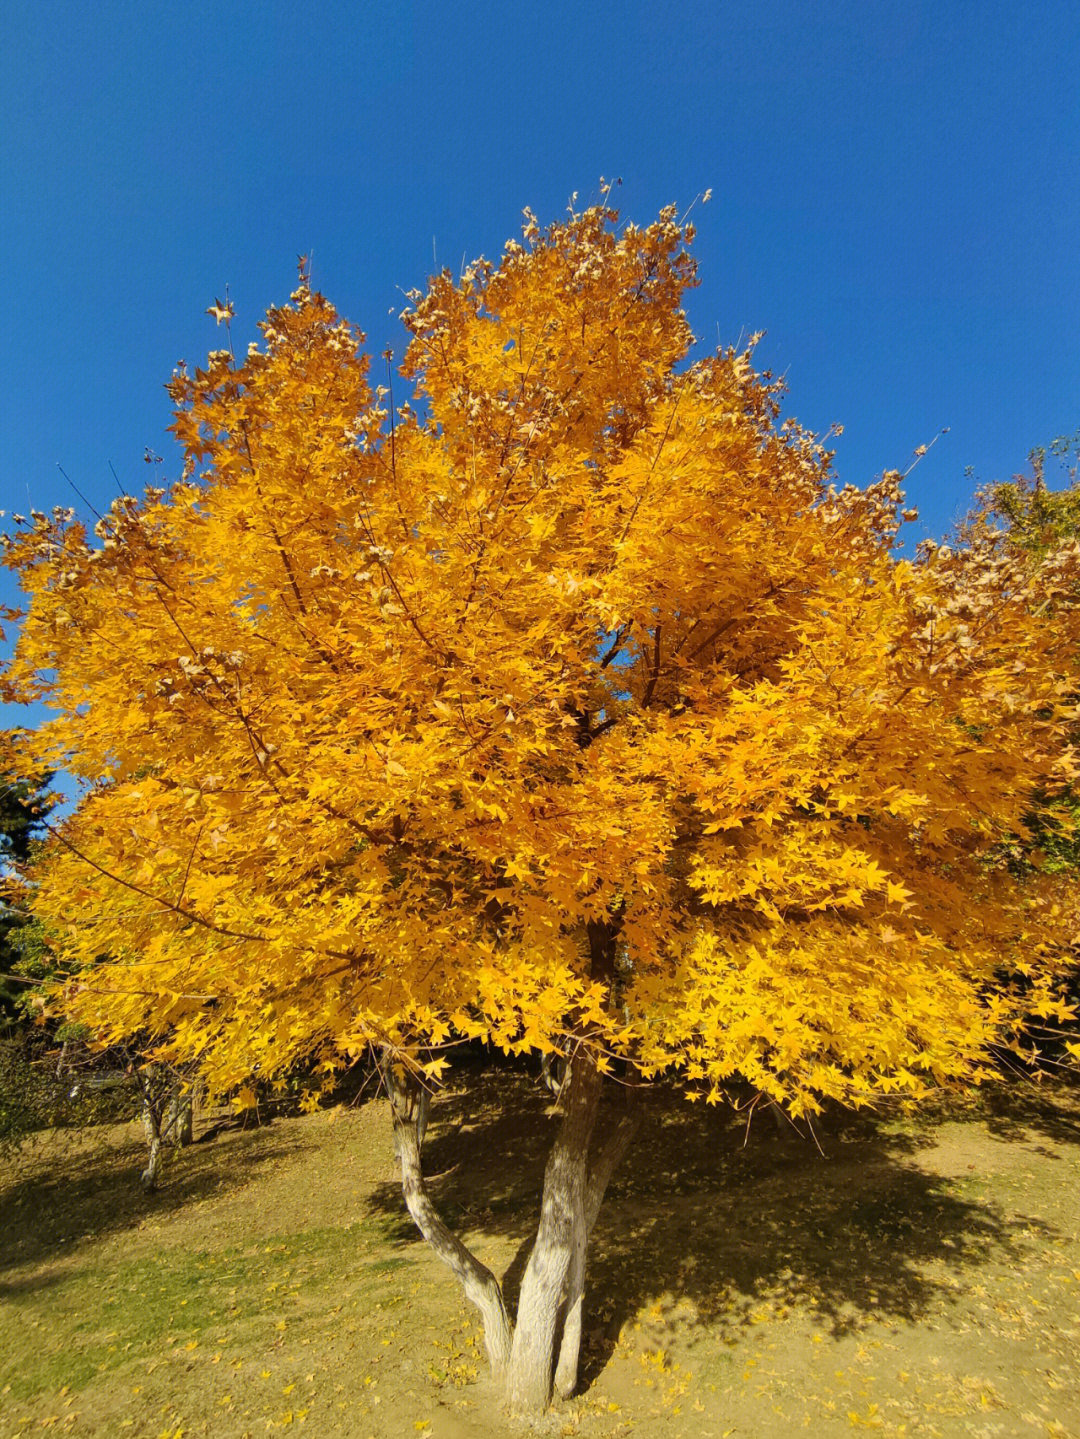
896,198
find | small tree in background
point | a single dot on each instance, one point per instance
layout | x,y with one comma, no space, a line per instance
31,1096
1036,517
51,1073
1028,514
25,800
568,707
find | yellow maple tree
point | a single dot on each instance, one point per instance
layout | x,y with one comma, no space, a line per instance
568,707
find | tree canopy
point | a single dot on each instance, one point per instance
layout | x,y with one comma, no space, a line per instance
382,710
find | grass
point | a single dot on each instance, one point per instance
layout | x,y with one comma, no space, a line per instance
922,1277
106,1319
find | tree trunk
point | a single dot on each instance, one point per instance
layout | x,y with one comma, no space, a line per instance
569,1341
151,1122
409,1105
541,1352
185,1123
167,1117
553,1069
601,1169
403,1091
178,1126
557,1260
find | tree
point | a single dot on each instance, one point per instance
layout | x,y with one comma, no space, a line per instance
48,1078
1037,518
569,707
24,803
1026,514
167,1112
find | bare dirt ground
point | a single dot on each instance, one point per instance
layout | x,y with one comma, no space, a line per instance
920,1277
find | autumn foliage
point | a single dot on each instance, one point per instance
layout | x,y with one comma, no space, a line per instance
568,705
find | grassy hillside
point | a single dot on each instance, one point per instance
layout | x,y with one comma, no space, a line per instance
918,1278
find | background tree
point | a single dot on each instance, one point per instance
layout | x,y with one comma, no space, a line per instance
53,1075
1038,518
1035,516
1027,514
30,1094
24,803
567,707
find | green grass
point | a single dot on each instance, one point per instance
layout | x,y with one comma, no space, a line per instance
97,1320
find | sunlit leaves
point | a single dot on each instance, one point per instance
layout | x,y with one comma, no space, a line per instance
378,711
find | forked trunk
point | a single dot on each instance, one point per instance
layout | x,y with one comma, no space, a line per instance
540,1353
167,1118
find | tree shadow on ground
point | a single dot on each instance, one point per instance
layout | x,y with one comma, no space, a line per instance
1026,1110
77,1192
703,1212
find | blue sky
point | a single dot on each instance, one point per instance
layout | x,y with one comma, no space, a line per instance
896,199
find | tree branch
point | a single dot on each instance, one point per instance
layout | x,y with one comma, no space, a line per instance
179,909
646,698
480,1285
616,646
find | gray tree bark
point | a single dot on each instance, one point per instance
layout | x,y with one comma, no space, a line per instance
409,1108
151,1123
153,1115
540,1353
182,1128
558,1255
167,1113
600,1171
